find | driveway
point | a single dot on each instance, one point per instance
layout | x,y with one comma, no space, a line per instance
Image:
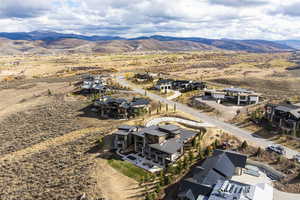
175,95
240,133
159,120
226,112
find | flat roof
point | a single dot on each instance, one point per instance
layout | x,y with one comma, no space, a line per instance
169,146
169,127
240,90
125,127
155,132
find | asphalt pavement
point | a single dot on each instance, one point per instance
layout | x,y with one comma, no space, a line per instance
227,127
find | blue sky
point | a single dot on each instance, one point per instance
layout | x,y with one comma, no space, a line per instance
237,19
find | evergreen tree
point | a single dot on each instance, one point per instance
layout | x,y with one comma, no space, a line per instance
244,145
258,152
185,162
208,151
194,143
191,156
157,188
167,180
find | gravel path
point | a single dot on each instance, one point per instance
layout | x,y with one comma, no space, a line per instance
157,121
175,95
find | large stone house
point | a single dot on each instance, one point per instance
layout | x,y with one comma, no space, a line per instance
219,167
284,116
94,83
160,144
212,180
120,108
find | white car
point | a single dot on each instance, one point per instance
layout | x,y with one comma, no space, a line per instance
276,148
297,158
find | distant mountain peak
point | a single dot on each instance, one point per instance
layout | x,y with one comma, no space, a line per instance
154,42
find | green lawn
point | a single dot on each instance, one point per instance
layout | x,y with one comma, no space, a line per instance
128,169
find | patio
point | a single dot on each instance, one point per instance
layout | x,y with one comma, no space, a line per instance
142,162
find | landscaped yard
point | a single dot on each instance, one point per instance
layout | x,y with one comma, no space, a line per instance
128,169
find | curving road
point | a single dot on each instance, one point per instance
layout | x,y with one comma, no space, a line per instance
157,121
243,134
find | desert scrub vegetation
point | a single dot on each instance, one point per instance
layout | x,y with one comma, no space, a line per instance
128,169
23,129
62,172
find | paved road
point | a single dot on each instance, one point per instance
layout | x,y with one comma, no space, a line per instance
158,120
175,95
243,134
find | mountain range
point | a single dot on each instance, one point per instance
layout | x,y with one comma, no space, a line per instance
44,42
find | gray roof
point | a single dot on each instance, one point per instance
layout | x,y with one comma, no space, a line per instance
220,166
208,177
238,160
126,127
186,135
169,146
293,109
170,128
220,163
155,132
238,90
121,132
139,102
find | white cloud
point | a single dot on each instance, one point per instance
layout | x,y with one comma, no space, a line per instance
244,19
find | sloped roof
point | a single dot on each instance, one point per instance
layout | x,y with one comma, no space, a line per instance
139,102
220,163
238,160
219,167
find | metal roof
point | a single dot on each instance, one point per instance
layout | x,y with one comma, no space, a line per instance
169,127
121,132
238,160
170,146
237,90
126,127
221,163
154,132
293,109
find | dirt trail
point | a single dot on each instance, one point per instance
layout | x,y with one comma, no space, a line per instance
72,136
113,184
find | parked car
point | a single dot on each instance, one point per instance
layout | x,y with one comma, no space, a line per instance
297,158
276,148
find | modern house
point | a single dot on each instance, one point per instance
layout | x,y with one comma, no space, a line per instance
143,77
284,116
93,83
160,144
164,85
219,167
232,190
187,85
120,108
237,96
180,85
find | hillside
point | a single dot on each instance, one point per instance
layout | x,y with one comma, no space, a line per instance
292,43
51,42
